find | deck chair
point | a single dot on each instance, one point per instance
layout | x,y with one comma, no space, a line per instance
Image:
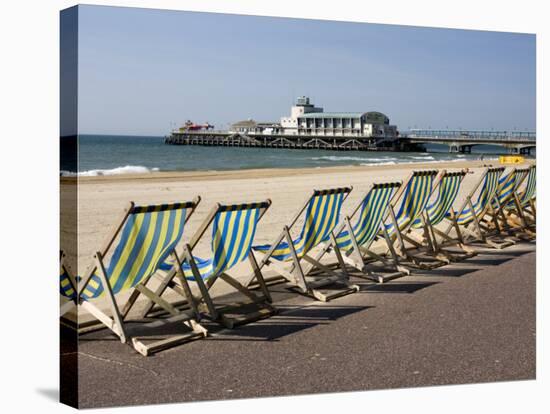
355,240
435,213
290,257
233,230
520,212
508,184
146,235
67,285
414,197
468,217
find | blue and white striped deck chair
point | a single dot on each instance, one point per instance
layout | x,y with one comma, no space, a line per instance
414,197
523,206
322,212
436,212
67,286
145,237
355,240
233,230
508,185
472,212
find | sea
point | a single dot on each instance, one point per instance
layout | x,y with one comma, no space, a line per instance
116,154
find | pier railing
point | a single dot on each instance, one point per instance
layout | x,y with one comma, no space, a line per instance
471,135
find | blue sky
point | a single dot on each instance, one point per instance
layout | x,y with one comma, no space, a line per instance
142,70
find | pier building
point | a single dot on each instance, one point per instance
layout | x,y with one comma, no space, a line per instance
307,119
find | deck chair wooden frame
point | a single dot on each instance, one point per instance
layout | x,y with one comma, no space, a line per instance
506,195
434,214
306,272
256,306
117,321
360,255
472,231
402,234
67,285
520,213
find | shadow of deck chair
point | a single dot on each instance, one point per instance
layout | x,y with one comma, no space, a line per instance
233,231
435,212
322,211
146,236
466,220
520,212
355,241
67,286
414,197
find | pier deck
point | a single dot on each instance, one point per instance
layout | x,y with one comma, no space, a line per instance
237,139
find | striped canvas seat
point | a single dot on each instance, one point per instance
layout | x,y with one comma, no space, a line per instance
530,190
507,185
414,199
322,214
65,285
371,215
449,187
487,193
149,235
233,231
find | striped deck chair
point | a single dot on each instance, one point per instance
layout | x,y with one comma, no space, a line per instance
470,214
67,286
233,230
508,184
355,240
322,211
521,211
435,213
146,236
414,197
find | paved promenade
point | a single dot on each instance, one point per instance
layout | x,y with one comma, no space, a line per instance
463,323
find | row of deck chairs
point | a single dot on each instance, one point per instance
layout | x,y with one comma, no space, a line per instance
413,224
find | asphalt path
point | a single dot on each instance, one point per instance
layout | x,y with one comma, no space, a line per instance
470,322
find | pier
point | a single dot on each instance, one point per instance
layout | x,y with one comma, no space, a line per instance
457,141
262,140
461,141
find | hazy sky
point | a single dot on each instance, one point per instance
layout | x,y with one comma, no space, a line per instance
142,70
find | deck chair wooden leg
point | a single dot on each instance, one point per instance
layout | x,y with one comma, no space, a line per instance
117,317
259,276
521,215
185,285
338,254
357,260
476,223
297,272
200,283
164,284
397,233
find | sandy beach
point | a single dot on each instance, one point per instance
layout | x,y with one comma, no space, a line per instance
101,199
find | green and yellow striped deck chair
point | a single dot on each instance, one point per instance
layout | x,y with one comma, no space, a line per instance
322,212
468,217
233,230
145,237
413,197
435,213
355,240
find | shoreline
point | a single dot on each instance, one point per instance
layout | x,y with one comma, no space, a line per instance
278,172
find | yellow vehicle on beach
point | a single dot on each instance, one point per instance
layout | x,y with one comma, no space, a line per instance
511,159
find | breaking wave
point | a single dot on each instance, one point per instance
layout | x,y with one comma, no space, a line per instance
128,169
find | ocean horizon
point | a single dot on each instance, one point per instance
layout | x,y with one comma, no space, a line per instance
126,154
